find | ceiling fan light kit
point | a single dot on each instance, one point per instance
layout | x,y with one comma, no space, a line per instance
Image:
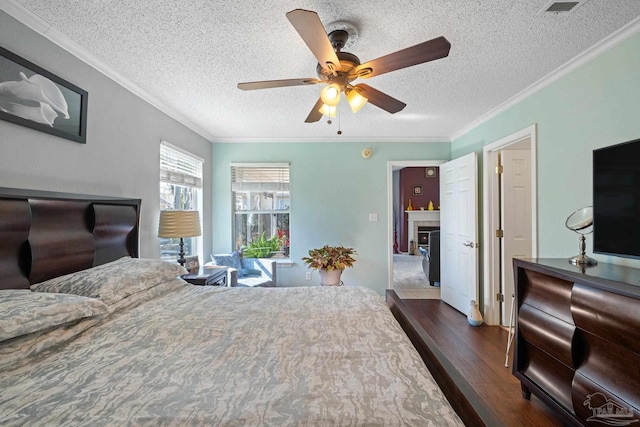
338,69
328,110
330,94
355,99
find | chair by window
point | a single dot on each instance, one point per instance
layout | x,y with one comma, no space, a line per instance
247,272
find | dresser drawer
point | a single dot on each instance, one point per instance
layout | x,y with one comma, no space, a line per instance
613,317
546,293
545,331
596,405
546,372
611,366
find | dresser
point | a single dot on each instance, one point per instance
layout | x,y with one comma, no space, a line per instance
577,339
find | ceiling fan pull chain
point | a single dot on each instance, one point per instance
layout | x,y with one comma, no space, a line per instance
339,121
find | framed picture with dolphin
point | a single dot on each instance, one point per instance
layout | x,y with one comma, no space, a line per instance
33,97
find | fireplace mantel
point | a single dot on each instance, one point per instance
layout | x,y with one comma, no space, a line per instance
418,215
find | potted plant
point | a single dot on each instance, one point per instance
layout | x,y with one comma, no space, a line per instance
261,247
330,261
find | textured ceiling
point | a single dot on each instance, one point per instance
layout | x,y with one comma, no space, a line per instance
188,56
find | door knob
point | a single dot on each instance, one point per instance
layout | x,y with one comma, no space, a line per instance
470,244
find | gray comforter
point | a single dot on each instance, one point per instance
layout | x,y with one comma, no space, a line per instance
314,356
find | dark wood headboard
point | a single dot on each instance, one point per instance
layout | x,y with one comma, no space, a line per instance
47,234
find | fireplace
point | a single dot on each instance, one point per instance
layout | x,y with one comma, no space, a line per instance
420,218
423,235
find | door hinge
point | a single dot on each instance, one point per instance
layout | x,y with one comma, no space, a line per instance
499,234
500,297
499,169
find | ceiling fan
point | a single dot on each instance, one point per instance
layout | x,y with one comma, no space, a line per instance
339,69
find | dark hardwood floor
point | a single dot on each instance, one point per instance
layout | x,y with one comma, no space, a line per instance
468,364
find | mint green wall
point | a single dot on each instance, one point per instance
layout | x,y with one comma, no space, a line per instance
594,106
333,190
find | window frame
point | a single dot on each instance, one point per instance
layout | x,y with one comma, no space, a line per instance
277,181
181,168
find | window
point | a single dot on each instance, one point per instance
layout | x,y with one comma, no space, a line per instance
180,188
261,195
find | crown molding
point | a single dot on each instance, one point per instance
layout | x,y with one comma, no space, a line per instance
42,27
337,138
594,51
31,20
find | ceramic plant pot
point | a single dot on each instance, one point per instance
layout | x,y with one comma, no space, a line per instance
330,277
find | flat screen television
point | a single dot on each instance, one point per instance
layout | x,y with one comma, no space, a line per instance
616,200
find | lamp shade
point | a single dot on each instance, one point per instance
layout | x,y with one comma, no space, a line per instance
328,110
179,224
356,100
330,94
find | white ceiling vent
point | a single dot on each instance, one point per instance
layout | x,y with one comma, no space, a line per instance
558,7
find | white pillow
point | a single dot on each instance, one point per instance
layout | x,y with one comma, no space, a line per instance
23,312
114,281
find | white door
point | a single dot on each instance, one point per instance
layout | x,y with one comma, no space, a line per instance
515,210
459,232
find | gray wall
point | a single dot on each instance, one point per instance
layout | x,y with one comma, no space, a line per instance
121,156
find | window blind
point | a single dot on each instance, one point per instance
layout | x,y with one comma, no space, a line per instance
260,177
179,167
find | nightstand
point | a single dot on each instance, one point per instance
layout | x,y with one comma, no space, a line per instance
216,276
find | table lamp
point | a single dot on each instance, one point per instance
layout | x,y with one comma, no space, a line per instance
179,224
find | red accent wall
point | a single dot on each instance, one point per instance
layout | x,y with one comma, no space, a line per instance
410,177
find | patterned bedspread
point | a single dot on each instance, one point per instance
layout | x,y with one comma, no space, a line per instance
313,356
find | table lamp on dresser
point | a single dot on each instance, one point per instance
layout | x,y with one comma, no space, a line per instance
179,224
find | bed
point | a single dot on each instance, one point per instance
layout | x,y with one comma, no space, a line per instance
92,335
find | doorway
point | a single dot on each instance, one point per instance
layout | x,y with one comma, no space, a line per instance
510,217
396,214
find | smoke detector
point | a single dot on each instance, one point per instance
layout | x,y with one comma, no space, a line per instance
560,7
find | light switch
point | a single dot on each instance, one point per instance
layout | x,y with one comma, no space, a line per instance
373,217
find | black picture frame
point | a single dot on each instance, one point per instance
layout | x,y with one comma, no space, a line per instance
41,103
417,190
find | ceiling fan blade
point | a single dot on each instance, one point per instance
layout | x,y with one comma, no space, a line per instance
424,52
315,114
308,25
381,99
267,84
